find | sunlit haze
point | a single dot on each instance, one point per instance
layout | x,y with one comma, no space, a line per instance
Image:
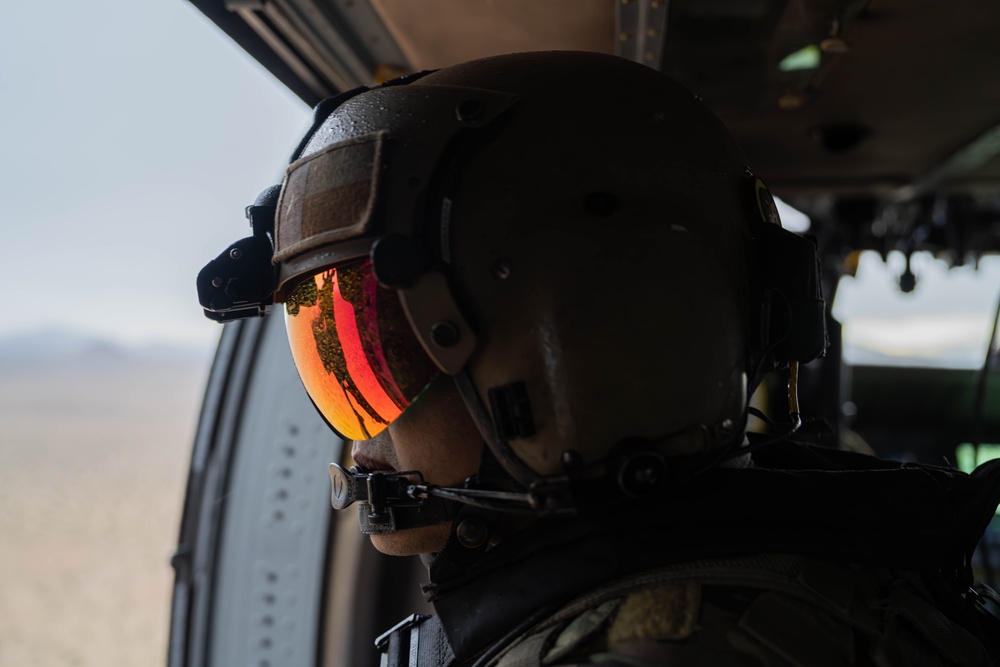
945,321
134,134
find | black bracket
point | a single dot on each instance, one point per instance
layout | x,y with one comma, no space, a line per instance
240,282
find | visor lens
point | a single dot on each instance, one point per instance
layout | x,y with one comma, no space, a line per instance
353,347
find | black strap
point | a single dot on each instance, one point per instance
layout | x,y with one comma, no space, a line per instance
416,641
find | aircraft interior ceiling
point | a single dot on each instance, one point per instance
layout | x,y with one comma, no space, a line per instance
878,118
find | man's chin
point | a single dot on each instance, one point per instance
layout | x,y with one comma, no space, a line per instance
412,541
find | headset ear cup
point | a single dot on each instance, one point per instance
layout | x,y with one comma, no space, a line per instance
793,295
787,293
760,355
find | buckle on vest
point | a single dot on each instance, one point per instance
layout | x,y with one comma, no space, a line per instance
402,639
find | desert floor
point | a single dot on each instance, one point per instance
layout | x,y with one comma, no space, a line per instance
93,463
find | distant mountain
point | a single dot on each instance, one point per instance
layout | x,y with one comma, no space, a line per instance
60,346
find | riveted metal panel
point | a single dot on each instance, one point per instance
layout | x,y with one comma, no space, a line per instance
267,578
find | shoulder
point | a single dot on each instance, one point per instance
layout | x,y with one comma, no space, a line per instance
765,610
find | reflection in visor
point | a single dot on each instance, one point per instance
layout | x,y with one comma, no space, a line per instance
354,349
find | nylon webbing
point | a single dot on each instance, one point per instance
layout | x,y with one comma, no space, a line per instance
418,641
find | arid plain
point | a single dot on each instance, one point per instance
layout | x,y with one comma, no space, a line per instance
94,451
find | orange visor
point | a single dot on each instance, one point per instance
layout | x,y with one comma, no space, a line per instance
354,349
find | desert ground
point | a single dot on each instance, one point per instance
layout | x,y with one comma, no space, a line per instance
93,463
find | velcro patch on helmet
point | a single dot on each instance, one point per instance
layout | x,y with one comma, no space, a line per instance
328,196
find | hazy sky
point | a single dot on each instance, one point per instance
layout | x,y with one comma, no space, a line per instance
133,135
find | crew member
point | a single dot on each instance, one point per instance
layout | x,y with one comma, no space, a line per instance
536,291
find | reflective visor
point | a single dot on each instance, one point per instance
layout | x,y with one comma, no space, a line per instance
353,347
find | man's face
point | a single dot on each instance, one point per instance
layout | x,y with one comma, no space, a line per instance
435,436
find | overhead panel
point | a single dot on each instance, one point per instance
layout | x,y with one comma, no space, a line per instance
870,102
438,33
912,84
639,29
972,167
331,46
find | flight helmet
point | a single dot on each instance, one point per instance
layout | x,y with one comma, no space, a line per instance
575,238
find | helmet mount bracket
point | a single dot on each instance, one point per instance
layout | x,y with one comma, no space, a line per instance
438,322
240,282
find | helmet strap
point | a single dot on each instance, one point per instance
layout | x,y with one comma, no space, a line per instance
500,448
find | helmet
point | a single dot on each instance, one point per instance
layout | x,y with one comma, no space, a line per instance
570,235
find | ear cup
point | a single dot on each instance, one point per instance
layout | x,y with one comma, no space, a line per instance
785,276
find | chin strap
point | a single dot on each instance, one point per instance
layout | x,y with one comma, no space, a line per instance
391,501
636,469
499,447
386,500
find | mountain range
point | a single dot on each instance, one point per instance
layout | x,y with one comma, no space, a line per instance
61,346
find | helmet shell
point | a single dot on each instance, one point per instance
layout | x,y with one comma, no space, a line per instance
596,244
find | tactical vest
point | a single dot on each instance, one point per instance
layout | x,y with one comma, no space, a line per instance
768,610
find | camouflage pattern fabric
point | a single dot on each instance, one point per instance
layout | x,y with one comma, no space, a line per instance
768,611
